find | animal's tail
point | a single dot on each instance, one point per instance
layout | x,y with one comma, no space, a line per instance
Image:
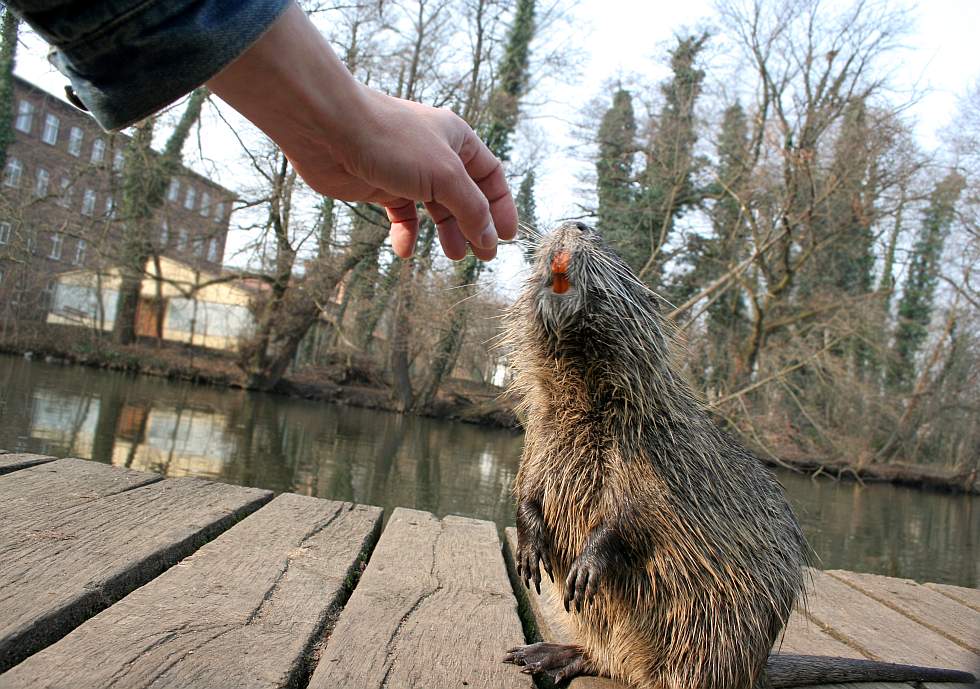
795,671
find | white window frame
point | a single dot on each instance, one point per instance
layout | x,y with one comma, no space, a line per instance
4,233
52,125
173,191
118,160
57,245
182,239
42,180
190,198
65,193
213,250
205,204
80,249
219,211
110,206
164,233
98,151
25,116
88,202
75,138
13,173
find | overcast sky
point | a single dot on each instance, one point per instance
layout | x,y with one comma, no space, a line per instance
628,39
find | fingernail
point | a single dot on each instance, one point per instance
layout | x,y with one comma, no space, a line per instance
488,238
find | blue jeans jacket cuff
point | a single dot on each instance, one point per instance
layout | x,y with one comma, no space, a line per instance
133,64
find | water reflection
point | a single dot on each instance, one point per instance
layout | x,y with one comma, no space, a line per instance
385,459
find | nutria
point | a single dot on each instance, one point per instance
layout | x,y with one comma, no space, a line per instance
674,547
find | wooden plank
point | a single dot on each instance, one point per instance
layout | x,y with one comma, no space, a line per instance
42,494
968,597
880,632
248,605
434,608
927,607
66,567
14,462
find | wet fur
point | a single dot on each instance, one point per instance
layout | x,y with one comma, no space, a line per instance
621,461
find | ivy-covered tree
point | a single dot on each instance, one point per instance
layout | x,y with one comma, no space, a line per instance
615,185
527,212
496,130
8,53
915,306
667,183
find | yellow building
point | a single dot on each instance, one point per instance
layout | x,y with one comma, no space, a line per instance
179,304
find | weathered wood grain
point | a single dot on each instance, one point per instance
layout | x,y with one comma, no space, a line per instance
41,494
879,631
59,568
968,597
434,608
944,615
243,611
12,462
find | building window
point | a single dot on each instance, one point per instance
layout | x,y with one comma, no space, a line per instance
88,202
4,232
110,207
41,182
164,233
190,198
205,204
31,242
199,247
219,211
98,151
50,133
182,241
57,240
66,192
174,189
213,250
118,160
13,172
25,116
80,249
75,137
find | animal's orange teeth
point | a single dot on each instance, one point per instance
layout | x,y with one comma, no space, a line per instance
559,262
559,272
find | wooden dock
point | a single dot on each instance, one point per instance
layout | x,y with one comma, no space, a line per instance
118,578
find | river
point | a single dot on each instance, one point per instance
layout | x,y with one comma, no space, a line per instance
378,458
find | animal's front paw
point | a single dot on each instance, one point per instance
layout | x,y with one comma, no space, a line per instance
531,554
583,580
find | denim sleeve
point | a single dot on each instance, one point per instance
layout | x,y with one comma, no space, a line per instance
126,59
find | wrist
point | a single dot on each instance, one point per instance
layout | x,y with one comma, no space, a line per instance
292,86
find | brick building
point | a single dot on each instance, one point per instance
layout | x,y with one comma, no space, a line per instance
58,205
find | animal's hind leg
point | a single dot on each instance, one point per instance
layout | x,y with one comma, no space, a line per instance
557,661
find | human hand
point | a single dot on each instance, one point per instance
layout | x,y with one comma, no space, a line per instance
355,144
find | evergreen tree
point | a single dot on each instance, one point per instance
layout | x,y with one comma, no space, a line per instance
915,306
8,53
614,179
668,181
527,213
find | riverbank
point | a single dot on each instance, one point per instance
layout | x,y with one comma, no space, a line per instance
354,381
349,381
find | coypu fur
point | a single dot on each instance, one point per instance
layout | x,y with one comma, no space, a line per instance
673,546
